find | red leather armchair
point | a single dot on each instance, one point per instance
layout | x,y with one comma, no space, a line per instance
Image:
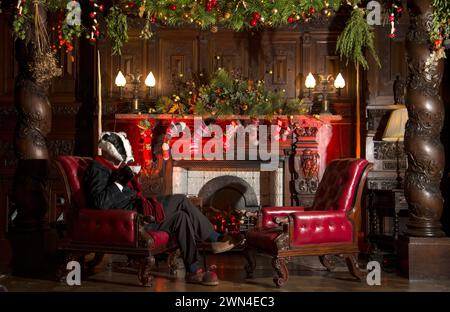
106,231
329,227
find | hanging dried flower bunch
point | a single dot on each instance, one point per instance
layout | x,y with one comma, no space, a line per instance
45,67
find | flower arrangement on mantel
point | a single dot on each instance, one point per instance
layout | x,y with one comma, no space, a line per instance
226,93
209,14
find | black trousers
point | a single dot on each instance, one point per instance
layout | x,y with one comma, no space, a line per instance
187,223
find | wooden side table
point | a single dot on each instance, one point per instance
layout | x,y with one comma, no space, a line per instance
382,204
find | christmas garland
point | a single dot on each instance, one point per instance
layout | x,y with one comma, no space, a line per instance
227,94
209,14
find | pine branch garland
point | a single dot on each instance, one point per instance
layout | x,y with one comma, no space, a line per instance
355,38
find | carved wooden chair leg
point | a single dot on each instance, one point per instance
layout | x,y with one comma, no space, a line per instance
328,262
144,275
172,261
279,264
353,267
250,255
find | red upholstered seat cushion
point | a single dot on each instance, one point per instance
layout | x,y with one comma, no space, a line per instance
264,240
104,227
160,239
320,227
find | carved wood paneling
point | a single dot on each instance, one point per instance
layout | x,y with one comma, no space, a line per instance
279,61
7,64
392,58
229,50
177,57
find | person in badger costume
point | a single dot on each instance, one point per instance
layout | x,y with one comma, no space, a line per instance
111,183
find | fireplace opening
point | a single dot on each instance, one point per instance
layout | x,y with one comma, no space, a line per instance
230,203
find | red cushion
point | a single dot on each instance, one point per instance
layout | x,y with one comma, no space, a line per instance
74,168
319,227
110,227
338,185
264,240
160,239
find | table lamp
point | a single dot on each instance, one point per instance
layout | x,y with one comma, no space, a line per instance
395,132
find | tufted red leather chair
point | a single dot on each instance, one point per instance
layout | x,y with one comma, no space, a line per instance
106,231
329,227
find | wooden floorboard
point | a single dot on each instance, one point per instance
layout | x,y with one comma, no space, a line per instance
306,275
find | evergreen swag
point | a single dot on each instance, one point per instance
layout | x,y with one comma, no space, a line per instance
226,94
355,38
208,14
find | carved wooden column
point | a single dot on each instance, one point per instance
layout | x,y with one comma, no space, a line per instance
425,152
424,254
30,232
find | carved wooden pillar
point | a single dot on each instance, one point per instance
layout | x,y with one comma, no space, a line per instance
425,152
29,238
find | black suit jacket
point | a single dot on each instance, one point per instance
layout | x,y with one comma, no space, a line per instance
102,192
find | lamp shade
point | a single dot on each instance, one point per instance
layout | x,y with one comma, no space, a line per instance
310,81
120,80
150,81
339,82
395,129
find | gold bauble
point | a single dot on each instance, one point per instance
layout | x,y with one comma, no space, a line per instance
214,29
244,107
227,15
274,11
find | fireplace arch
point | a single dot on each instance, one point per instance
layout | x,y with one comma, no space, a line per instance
229,192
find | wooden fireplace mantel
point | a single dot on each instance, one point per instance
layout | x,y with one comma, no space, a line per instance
319,119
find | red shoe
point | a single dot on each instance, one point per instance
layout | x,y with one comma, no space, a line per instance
208,278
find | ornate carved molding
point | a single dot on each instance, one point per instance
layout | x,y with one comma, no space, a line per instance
61,147
388,150
66,109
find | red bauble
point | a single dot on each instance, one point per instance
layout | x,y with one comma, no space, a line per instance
92,15
312,10
392,35
253,22
97,33
209,7
92,40
438,43
399,10
391,18
101,7
213,2
153,19
131,4
256,16
172,7
290,19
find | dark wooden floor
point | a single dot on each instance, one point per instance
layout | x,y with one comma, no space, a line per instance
307,275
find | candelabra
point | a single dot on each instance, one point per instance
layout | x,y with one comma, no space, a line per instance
327,85
121,82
